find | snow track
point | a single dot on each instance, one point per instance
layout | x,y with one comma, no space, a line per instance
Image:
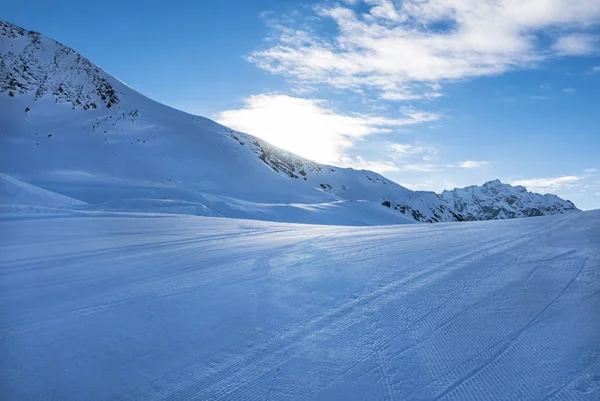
118,306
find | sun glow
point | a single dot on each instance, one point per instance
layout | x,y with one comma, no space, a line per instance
305,127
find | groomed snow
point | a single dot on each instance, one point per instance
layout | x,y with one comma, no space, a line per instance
99,305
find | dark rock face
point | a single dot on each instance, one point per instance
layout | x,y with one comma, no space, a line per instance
32,63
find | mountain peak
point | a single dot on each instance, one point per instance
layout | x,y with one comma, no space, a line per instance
496,200
493,183
35,65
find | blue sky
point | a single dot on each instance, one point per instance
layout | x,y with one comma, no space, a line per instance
433,94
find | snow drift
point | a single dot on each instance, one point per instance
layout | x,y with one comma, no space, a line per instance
16,192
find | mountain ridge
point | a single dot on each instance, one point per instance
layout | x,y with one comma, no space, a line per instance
88,136
496,200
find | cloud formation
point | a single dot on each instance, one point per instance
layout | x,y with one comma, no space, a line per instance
308,128
404,50
575,45
472,164
407,149
360,163
548,184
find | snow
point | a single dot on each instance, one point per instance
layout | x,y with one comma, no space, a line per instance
60,134
122,305
495,201
130,269
68,127
16,192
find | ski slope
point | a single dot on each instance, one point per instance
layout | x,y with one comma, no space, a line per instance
100,305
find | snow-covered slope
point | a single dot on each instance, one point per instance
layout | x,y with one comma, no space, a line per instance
14,192
132,307
71,128
495,200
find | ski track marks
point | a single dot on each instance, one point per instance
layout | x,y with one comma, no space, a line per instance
119,307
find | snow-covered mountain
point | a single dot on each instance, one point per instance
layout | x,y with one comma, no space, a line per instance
495,200
69,127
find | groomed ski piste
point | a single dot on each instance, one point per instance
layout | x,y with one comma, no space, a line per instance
149,254
107,305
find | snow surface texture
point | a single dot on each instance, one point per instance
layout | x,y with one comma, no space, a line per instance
15,192
495,201
68,127
99,305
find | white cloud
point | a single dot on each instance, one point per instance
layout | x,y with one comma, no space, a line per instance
470,164
590,170
569,90
360,163
401,48
382,167
596,69
575,45
430,184
308,128
423,167
404,150
538,97
548,184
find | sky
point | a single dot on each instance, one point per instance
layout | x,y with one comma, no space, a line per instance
433,94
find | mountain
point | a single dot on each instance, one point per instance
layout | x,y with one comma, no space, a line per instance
73,129
495,200
69,127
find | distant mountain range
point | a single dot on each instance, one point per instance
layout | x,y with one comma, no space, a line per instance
495,200
70,128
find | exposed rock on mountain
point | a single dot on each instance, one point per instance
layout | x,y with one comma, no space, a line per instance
495,200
